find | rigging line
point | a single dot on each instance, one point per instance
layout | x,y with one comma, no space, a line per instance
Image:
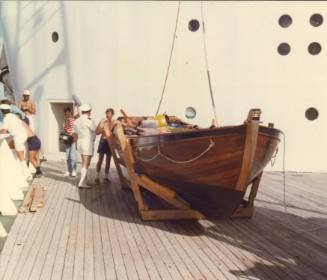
207,66
170,58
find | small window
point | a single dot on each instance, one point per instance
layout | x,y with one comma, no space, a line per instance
284,49
311,114
314,48
55,37
285,21
316,20
190,113
193,25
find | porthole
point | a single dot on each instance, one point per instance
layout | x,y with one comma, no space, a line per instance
193,25
190,113
285,21
55,37
316,20
311,114
314,48
284,49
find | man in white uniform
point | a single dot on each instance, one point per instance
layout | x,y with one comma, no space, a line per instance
14,126
84,131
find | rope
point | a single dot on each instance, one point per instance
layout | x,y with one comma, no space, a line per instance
170,58
207,67
296,229
159,153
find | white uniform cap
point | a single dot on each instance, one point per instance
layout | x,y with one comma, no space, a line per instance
26,92
5,107
85,108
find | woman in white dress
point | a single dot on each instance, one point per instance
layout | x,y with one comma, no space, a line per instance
84,131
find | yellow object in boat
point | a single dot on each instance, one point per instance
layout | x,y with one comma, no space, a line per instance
161,120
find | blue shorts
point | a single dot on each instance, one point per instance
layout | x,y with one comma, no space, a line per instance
103,147
33,143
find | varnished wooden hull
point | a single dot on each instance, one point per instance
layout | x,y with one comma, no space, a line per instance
208,183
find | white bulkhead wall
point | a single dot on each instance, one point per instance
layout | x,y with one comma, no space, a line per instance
115,54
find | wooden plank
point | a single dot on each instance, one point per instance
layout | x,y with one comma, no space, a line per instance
119,264
67,271
152,247
65,237
38,199
78,270
88,244
35,243
60,234
130,241
99,265
150,215
139,239
47,234
27,200
108,258
10,243
24,238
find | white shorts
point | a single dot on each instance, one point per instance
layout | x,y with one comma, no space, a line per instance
19,142
85,148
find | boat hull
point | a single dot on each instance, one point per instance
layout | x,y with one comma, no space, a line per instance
204,176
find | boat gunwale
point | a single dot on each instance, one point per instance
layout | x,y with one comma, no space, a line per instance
145,140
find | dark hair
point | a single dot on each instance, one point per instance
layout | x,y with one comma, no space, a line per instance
110,110
67,109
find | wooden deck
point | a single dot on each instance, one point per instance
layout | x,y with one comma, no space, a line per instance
97,234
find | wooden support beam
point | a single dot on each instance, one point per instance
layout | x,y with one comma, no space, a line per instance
113,148
251,137
136,181
163,192
246,210
167,214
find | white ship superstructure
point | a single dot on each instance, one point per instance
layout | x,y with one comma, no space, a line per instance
115,54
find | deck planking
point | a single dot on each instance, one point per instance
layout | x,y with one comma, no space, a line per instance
97,234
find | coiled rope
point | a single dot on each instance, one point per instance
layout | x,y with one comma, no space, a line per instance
159,153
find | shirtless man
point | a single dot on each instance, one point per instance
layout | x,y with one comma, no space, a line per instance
107,124
34,146
28,107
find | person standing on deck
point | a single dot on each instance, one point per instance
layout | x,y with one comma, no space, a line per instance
71,150
84,132
14,126
103,148
34,146
28,107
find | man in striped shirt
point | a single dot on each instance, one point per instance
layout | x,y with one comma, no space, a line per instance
71,152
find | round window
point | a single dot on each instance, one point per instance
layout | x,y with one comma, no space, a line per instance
284,49
55,37
190,113
285,21
316,20
193,25
311,114
314,48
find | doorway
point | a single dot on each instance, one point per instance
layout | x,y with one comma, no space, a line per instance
55,126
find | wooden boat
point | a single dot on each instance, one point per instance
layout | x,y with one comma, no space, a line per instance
209,169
